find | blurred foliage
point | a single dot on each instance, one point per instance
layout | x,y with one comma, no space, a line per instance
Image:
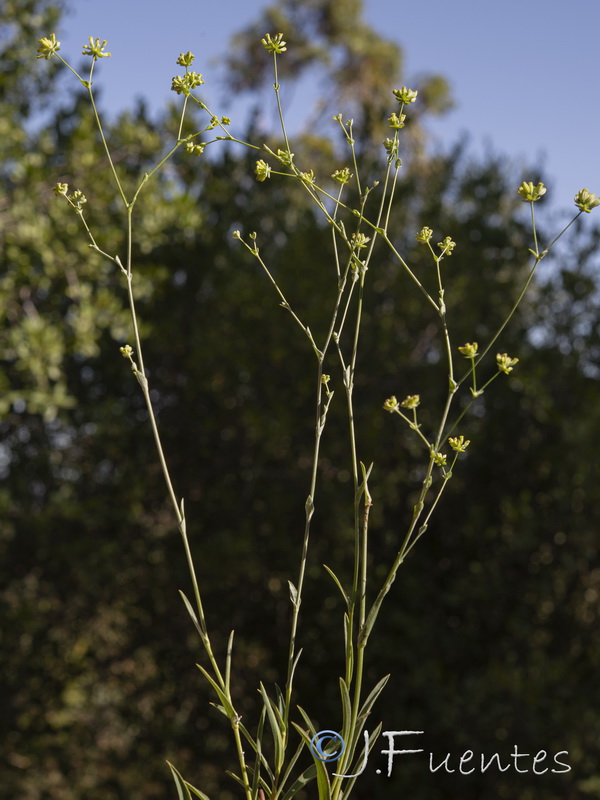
491,630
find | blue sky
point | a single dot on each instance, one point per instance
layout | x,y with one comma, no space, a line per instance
524,73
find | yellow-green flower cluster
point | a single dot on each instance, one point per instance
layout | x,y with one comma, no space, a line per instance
195,149
48,47
586,200
530,193
183,84
391,404
405,95
424,235
447,246
459,443
76,200
505,363
469,350
342,176
186,59
95,48
359,240
262,170
308,177
274,44
411,401
439,459
396,121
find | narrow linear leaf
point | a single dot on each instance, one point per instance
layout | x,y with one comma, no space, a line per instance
360,760
276,724
192,614
323,784
372,697
339,585
219,691
228,662
182,791
235,777
291,765
346,706
295,664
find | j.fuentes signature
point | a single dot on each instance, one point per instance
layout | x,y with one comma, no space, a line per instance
329,746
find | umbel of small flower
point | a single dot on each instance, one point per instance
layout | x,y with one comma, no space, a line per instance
342,175
439,459
95,48
48,47
195,149
447,246
262,170
586,200
405,95
530,193
183,84
274,44
505,362
359,240
459,443
424,235
411,401
186,59
469,350
396,121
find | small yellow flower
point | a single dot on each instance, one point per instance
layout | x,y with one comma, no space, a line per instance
459,443
95,48
439,459
262,170
274,44
405,95
505,362
359,240
447,246
424,235
411,401
391,404
396,121
530,193
308,177
469,350
342,176
186,59
48,47
586,201
195,149
183,84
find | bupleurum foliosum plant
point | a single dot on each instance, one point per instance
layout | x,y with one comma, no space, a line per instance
280,770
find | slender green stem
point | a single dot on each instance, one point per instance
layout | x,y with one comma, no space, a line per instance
104,142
